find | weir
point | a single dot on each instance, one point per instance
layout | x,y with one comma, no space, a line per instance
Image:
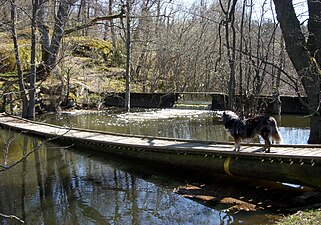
297,164
213,100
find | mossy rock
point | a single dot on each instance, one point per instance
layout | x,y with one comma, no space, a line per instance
98,50
5,37
8,58
93,48
24,33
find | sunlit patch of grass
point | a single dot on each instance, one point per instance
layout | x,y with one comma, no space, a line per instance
311,217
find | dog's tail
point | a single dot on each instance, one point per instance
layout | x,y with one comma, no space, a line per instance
276,135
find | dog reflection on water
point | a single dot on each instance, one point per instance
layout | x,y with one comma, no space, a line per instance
239,129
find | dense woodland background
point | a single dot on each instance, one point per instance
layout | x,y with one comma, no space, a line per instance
63,50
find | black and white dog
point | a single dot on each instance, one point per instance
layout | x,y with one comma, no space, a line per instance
239,129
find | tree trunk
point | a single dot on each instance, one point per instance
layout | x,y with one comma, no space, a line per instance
277,104
18,61
303,60
33,69
112,25
241,94
128,50
58,32
314,27
230,43
44,30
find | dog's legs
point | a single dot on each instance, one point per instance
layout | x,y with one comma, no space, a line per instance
267,146
237,145
267,142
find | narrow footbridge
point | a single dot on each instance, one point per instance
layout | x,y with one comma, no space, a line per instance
297,164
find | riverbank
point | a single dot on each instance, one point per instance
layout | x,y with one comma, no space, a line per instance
252,196
311,217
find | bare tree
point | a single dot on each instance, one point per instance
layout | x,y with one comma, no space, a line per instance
28,91
210,46
230,43
128,55
33,67
58,33
305,55
23,90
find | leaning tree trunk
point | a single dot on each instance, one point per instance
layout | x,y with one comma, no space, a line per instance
58,33
302,57
44,31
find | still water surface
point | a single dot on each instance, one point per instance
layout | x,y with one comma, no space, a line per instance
59,185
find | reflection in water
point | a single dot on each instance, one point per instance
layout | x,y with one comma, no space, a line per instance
64,186
60,186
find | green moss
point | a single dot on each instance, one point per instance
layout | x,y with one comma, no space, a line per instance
97,57
88,47
72,96
5,37
99,50
9,74
24,33
8,58
118,58
8,61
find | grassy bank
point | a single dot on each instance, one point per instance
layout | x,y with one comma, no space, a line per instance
311,217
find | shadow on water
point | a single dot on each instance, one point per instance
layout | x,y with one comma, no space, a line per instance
56,185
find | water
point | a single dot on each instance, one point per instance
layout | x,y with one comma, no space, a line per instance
56,185
174,123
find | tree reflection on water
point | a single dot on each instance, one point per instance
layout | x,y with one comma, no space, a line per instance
58,185
65,186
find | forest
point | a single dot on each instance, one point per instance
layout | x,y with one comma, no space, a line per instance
66,52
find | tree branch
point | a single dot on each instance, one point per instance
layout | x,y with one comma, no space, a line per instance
95,21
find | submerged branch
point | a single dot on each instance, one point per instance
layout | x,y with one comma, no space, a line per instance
11,217
6,167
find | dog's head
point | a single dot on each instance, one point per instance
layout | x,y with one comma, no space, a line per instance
229,118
